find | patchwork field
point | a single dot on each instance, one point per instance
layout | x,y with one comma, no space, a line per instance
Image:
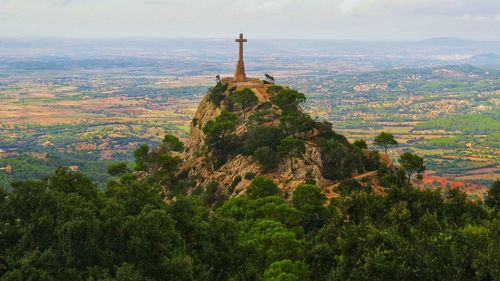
89,116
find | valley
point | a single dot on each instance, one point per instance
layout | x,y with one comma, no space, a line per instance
92,111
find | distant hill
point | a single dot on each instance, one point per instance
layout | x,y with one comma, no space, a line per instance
457,45
485,59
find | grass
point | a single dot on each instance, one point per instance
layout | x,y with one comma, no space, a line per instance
183,128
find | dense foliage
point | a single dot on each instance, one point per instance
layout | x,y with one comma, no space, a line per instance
64,228
145,226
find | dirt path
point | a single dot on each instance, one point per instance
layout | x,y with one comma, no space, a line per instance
330,193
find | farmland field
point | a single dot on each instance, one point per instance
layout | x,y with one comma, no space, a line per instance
87,112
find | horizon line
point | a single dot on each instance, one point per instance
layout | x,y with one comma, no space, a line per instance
259,38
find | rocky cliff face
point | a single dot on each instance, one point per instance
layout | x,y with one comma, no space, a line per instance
234,176
206,111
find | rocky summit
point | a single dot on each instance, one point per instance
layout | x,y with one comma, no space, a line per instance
244,129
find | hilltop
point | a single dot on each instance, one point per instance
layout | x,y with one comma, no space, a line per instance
244,129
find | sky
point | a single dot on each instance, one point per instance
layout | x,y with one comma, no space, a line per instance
301,19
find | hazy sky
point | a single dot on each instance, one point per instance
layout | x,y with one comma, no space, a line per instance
328,19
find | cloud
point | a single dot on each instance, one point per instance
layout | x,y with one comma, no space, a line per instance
364,19
469,17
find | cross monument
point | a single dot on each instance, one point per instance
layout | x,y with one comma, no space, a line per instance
239,74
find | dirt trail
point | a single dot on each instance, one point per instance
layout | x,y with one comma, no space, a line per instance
330,193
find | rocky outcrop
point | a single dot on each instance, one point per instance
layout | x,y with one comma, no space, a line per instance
206,111
235,175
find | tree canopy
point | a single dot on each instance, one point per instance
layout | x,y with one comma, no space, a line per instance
219,133
385,140
411,163
292,148
246,98
66,228
288,100
172,143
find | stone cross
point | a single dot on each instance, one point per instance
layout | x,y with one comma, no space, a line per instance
239,74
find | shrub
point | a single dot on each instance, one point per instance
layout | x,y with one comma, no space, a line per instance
361,144
261,136
372,161
118,169
267,157
235,182
210,194
274,89
215,96
172,143
262,187
246,98
249,176
219,133
340,161
348,186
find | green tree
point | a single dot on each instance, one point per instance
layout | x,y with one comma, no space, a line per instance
493,197
411,164
211,242
292,148
459,210
215,95
261,136
295,122
67,181
306,195
267,241
274,89
141,157
262,187
273,207
118,169
210,196
156,248
288,100
246,98
286,270
127,272
348,186
262,116
221,254
339,160
219,133
267,158
385,140
172,143
361,144
309,200
166,167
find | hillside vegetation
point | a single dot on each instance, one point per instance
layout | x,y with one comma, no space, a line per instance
248,197
64,228
261,129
